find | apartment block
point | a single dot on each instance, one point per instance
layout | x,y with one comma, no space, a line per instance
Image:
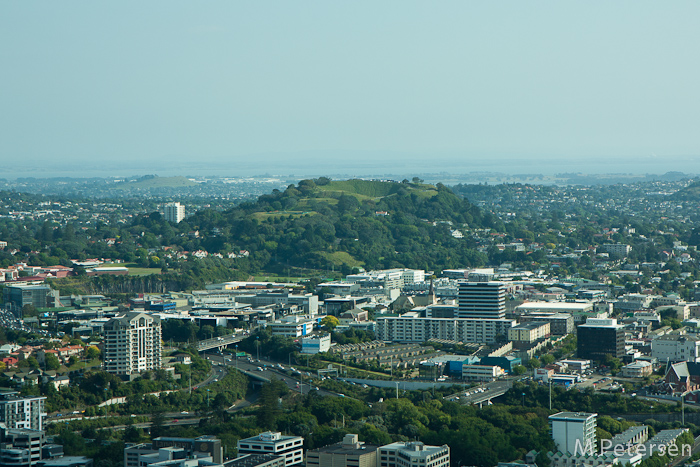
22,412
484,300
174,212
132,344
411,329
573,432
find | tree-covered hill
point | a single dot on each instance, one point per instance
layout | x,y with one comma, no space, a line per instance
375,224
689,193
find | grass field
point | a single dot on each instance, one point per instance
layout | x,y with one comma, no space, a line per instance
341,257
134,269
273,214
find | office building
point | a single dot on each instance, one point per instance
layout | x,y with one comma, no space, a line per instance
484,300
527,333
676,348
290,447
22,412
316,343
293,326
138,455
560,324
388,278
174,212
39,296
574,432
482,372
348,453
132,344
599,337
256,460
413,454
67,461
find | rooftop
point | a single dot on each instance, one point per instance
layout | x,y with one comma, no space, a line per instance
572,416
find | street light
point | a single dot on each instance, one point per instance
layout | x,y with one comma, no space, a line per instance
236,357
257,345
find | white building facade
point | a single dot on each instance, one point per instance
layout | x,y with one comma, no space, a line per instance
413,454
290,447
416,330
132,344
574,432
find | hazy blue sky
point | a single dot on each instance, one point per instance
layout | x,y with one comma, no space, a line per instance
228,85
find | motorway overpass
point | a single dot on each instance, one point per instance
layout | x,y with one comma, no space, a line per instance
220,342
480,395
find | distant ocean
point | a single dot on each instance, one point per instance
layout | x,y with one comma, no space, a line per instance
357,165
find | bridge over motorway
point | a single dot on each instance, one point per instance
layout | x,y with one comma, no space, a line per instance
477,396
220,342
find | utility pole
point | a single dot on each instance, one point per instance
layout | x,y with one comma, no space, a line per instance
550,395
397,389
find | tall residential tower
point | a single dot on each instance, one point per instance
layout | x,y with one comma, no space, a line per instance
132,344
174,212
485,300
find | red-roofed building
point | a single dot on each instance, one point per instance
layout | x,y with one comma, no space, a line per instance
10,361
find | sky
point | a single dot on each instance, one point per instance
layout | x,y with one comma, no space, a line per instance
232,87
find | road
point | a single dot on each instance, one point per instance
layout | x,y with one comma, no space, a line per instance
693,450
481,394
298,382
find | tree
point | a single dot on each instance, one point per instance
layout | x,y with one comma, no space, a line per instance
330,322
519,370
533,363
92,352
51,362
33,363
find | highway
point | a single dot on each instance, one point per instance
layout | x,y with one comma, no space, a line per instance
224,341
267,369
481,394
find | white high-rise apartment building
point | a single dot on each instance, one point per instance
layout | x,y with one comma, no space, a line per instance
574,432
132,344
486,300
174,212
18,412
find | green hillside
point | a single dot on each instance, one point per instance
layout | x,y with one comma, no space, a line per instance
689,193
325,224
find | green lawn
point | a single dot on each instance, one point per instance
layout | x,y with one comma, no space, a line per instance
136,270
